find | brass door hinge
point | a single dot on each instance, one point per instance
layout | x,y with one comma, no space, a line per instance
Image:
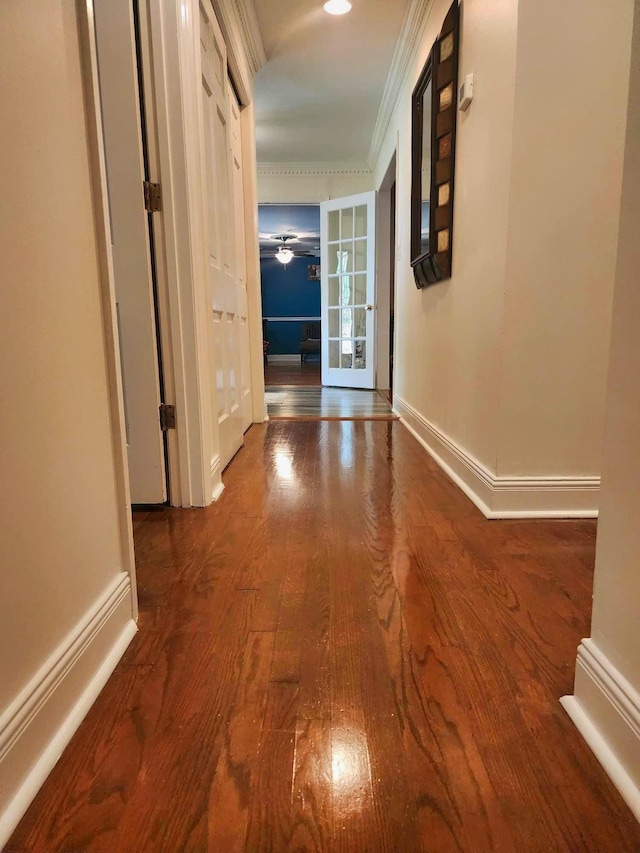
152,197
167,417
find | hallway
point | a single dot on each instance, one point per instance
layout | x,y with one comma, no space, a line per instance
341,654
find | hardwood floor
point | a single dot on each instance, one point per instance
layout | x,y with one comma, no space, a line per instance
341,655
293,373
326,403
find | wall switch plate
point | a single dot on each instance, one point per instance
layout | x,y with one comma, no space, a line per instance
466,93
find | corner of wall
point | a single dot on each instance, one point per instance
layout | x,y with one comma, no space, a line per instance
40,722
605,709
495,496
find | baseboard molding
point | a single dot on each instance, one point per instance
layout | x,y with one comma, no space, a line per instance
216,479
284,359
39,723
502,497
605,709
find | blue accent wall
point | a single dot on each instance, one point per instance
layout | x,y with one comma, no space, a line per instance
287,292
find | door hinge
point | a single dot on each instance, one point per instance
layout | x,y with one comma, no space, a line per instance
167,417
152,197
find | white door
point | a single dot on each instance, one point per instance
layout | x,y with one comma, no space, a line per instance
120,100
227,294
347,242
244,377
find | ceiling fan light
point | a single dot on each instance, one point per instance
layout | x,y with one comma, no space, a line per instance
337,7
284,255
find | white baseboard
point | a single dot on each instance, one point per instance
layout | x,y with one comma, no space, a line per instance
502,497
605,708
284,359
216,479
39,723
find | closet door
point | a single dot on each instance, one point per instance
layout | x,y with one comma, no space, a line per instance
244,377
227,292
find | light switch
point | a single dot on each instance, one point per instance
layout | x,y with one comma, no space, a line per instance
466,93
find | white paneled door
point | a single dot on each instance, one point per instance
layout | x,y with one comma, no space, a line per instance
237,188
225,238
347,241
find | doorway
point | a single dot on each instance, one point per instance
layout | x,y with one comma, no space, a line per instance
290,278
386,280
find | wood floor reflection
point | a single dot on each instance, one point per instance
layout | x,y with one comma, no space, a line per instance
342,654
326,403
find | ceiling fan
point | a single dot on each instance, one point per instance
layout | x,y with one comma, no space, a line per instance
284,253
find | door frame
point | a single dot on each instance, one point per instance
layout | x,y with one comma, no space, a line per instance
97,161
384,272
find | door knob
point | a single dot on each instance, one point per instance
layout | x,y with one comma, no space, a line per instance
369,307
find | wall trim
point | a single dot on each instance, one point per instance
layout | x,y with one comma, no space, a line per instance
285,358
291,319
290,170
246,55
407,45
98,166
251,36
605,709
216,478
39,723
500,496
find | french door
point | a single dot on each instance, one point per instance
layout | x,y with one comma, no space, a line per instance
347,242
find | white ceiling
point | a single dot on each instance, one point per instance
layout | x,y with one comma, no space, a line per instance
318,96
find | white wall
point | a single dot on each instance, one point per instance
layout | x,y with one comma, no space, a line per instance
606,705
61,522
311,183
500,370
448,336
566,177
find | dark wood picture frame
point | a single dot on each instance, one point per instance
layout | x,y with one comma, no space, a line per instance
441,70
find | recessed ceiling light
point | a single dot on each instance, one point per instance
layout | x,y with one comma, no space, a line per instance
337,7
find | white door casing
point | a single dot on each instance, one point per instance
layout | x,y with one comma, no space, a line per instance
120,101
347,244
226,289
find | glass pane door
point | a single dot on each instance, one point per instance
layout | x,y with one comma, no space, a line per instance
348,280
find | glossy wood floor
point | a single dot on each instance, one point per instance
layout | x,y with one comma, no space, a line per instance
293,373
326,403
341,655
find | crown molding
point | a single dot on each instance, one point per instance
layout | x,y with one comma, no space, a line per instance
251,36
286,170
246,54
410,36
